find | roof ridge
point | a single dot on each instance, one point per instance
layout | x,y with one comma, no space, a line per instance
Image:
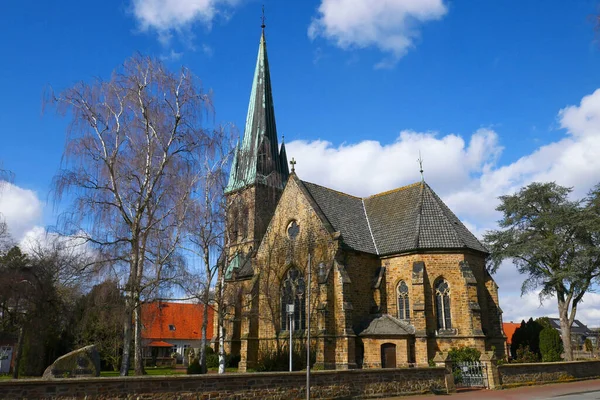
419,217
332,190
444,210
395,190
369,225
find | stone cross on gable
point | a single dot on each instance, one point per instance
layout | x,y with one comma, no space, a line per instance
293,164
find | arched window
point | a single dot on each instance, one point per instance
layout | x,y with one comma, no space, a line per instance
403,301
442,305
293,292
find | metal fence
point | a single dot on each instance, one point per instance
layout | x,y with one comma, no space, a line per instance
469,374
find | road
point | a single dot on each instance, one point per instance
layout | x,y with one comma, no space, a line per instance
583,390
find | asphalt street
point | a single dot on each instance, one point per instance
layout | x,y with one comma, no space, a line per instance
583,390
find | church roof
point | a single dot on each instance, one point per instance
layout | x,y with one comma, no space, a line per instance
346,214
258,159
386,325
405,219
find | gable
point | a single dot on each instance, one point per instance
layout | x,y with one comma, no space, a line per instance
295,204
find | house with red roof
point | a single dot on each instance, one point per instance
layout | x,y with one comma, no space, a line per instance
170,328
509,330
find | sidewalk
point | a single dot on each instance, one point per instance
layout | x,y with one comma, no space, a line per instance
565,391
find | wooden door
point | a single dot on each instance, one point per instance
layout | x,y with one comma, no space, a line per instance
388,355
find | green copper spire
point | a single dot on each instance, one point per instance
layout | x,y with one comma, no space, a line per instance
258,159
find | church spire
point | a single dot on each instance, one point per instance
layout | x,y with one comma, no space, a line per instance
258,158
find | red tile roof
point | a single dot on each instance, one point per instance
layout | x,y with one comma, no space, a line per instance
168,320
509,330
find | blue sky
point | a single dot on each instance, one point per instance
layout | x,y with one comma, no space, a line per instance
495,94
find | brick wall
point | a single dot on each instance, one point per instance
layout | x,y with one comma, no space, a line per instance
264,386
528,374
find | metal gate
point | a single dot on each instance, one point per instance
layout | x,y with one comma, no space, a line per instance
469,374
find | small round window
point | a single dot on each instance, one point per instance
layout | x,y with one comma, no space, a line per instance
293,230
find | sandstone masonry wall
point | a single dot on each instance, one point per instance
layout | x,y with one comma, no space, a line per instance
537,373
266,386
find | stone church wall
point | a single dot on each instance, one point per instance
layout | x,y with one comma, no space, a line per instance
464,294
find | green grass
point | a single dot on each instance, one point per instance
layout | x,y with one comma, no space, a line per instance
230,370
149,371
5,377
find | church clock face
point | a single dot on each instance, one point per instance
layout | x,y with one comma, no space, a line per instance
293,230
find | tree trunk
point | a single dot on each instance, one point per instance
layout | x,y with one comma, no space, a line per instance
18,351
221,320
205,300
139,357
127,325
203,341
565,329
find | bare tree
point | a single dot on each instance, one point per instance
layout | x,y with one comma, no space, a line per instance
129,164
207,228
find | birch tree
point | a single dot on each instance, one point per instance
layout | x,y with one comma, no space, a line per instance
207,229
129,165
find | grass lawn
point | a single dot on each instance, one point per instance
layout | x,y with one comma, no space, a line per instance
5,377
149,371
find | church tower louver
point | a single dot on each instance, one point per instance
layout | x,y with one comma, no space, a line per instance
259,170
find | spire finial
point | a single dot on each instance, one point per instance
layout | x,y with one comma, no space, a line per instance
293,164
262,25
282,139
420,160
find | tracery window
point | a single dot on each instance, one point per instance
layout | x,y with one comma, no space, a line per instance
403,301
442,305
292,292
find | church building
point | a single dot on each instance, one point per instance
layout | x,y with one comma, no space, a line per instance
395,277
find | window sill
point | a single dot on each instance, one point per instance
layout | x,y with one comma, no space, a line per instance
446,332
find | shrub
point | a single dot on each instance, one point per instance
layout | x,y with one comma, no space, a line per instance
464,354
551,345
232,361
525,355
212,360
280,360
194,368
588,345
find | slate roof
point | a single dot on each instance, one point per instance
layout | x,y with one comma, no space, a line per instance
346,214
405,219
578,327
386,325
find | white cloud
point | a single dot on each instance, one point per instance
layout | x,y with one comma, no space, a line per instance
39,238
169,16
391,25
465,173
21,209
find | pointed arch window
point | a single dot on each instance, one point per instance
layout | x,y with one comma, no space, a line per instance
442,305
403,301
292,292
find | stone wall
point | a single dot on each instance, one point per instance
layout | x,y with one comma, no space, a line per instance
529,374
264,386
